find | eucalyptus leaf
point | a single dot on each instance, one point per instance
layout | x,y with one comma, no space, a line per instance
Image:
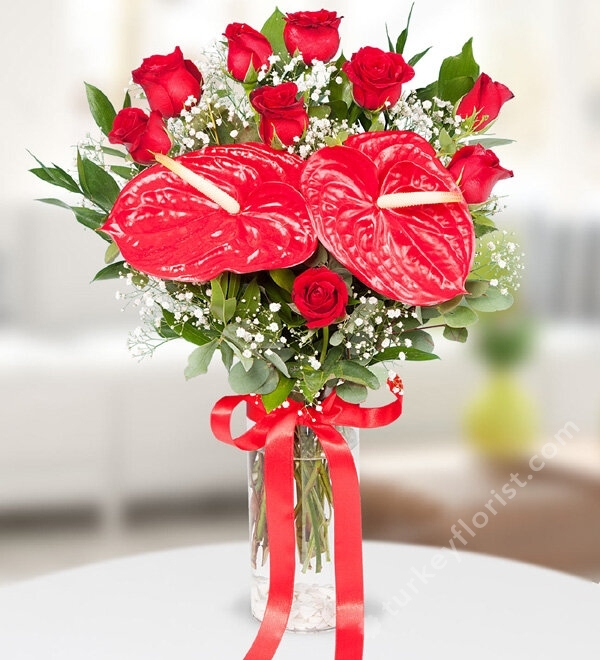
460,317
420,340
491,301
270,385
248,382
456,334
276,361
355,373
199,360
227,354
476,288
352,392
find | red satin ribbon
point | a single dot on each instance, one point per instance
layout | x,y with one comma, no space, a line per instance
274,432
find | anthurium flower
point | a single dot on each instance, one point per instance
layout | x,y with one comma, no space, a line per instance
421,254
485,98
314,34
165,227
477,170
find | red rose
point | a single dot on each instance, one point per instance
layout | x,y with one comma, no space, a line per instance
168,81
313,33
141,134
476,170
247,47
282,115
485,98
321,296
377,77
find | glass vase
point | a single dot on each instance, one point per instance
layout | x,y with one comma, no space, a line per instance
313,607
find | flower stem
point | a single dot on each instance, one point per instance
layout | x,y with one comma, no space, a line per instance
325,343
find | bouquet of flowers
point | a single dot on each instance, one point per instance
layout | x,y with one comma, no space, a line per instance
306,215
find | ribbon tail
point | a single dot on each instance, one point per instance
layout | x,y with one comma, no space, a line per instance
279,494
347,531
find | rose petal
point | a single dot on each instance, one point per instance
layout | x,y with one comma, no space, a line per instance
165,227
420,255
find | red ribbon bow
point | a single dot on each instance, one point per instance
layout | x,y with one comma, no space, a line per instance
275,432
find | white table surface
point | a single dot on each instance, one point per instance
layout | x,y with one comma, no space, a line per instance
193,604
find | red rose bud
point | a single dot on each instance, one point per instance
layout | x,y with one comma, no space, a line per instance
485,98
168,81
142,135
477,170
321,296
247,48
377,77
315,34
282,116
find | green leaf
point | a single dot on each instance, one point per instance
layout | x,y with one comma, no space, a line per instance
249,303
90,218
277,362
460,317
476,288
413,354
458,74
127,100
284,278
491,301
273,31
489,142
221,308
227,354
111,272
270,385
101,108
109,151
389,40
420,340
401,42
449,305
97,184
319,111
352,392
348,370
279,394
456,334
447,144
427,93
55,175
186,330
123,171
418,57
199,359
112,252
248,382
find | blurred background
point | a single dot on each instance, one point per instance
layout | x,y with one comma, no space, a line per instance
102,456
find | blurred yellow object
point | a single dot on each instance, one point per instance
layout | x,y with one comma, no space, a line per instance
501,421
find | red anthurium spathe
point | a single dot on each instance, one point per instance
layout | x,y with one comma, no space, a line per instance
421,254
166,228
